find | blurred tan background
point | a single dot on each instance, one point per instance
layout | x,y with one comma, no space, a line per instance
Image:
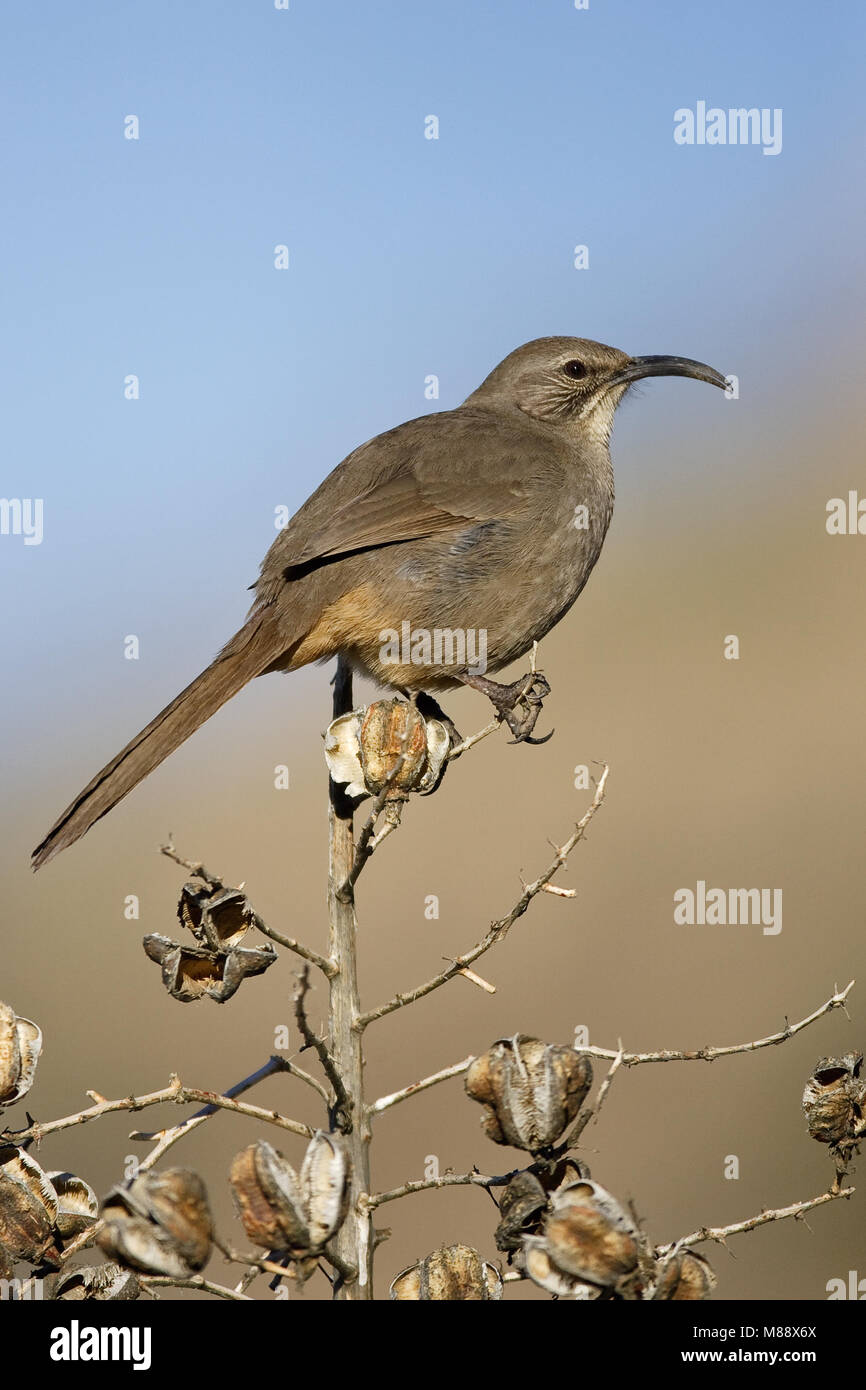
746,773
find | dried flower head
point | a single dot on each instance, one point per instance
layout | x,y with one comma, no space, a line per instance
454,1273
28,1208
106,1283
684,1276
196,972
531,1091
20,1048
389,745
159,1223
217,917
284,1210
588,1239
77,1204
835,1100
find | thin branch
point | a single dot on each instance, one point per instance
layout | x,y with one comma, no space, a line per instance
169,1137
174,1093
385,1102
373,1200
709,1054
560,892
591,1112
259,1264
247,1278
498,930
477,980
214,1101
368,840
347,1272
342,1105
290,943
620,1058
38,1131
195,1281
308,1080
797,1210
471,741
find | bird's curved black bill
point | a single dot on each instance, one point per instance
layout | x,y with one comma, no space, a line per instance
640,367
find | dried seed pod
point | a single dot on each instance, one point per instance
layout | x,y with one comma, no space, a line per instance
565,1173
159,1223
28,1208
539,1266
20,1047
454,1273
524,1201
219,918
191,972
387,745
684,1276
325,1186
77,1204
268,1196
106,1283
7,1263
521,1208
589,1235
833,1099
283,1210
530,1091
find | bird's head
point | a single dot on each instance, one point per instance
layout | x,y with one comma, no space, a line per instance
576,382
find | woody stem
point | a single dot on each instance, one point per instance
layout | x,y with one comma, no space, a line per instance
353,1243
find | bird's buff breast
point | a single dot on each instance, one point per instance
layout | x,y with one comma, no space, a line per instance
417,635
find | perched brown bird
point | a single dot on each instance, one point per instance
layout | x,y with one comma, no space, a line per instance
486,520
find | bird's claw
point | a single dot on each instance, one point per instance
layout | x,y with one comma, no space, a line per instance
519,705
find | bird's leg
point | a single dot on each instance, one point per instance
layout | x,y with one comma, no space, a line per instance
519,704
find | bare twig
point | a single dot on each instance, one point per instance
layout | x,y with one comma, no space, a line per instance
168,1137
195,1281
342,1102
378,1199
797,1210
591,1112
347,1272
475,738
174,1093
559,892
247,1278
289,942
498,930
256,1263
368,840
353,1243
385,1102
478,980
709,1054
38,1131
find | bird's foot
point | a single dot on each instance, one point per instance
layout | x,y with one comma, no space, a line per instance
519,704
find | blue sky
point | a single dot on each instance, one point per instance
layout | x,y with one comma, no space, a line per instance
408,257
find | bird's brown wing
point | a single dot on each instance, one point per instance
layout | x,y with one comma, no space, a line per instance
396,510
430,475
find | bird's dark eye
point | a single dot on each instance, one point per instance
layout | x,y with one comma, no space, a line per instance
575,369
